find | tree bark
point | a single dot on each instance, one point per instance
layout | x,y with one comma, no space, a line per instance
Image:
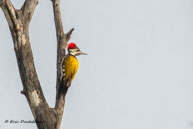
18,21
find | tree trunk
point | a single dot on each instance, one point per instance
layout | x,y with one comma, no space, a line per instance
18,21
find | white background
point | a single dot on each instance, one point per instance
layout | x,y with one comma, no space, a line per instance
138,73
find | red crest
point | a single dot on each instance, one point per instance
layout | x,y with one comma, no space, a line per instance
71,45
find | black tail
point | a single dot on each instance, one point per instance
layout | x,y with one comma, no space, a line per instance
63,88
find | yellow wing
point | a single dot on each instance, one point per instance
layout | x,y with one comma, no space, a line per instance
70,66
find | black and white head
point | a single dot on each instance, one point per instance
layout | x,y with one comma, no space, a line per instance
74,50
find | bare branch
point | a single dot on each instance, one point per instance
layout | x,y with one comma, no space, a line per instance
10,13
22,92
62,40
1,3
28,9
59,34
58,20
60,98
68,35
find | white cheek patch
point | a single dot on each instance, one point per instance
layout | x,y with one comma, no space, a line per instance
74,53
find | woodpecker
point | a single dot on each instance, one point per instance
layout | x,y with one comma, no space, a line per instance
69,65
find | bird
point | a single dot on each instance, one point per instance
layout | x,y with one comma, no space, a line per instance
70,64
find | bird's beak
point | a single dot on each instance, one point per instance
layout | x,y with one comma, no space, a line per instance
82,53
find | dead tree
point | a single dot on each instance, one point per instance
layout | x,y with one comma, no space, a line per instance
18,21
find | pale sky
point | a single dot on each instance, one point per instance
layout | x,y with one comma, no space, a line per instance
138,73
